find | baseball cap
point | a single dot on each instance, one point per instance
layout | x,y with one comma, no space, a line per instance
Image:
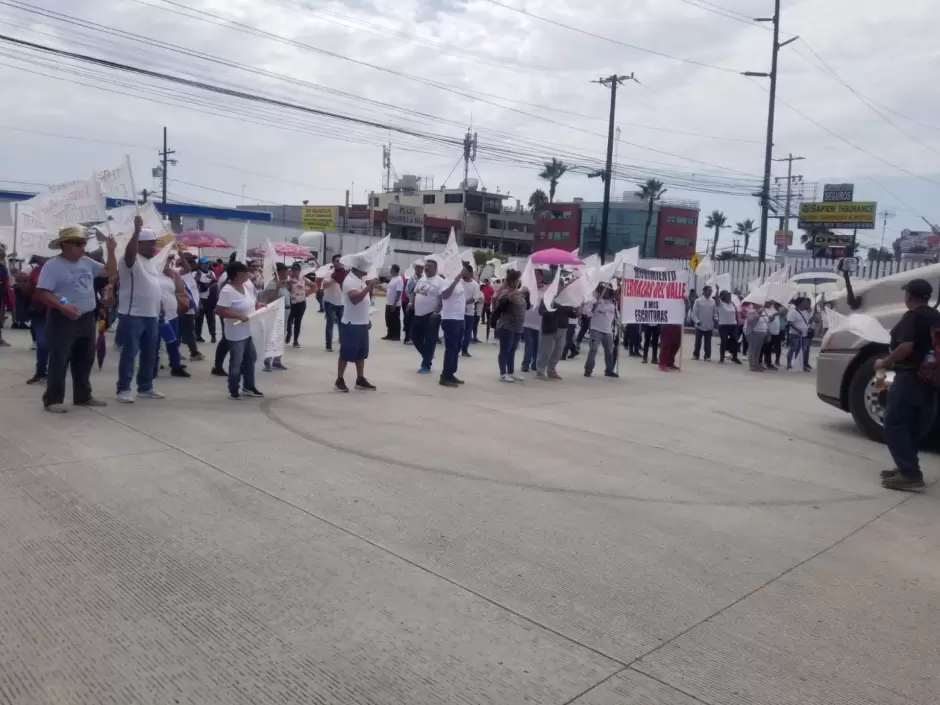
147,235
433,258
419,262
918,288
280,266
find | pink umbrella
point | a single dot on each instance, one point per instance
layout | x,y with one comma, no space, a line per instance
203,238
286,249
562,258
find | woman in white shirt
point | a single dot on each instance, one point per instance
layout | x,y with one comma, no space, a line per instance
799,319
236,302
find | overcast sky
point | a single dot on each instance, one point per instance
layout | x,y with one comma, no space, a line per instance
515,65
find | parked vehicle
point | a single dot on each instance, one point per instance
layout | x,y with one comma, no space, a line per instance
845,375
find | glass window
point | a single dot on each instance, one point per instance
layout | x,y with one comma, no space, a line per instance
429,197
497,224
453,198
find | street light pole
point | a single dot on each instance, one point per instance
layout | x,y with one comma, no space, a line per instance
786,213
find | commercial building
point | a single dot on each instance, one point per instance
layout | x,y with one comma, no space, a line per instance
577,225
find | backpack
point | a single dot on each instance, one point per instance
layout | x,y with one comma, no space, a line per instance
929,370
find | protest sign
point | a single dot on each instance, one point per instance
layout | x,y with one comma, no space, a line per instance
268,271
117,183
120,224
652,296
241,254
267,329
63,205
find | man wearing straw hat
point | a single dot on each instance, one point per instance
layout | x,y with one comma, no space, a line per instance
66,287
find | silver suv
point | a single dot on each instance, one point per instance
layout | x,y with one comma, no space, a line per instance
845,376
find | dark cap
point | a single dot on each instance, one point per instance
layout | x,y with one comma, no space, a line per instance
280,266
919,289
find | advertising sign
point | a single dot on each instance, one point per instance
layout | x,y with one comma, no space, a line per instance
919,242
405,215
654,297
838,193
783,238
818,215
318,218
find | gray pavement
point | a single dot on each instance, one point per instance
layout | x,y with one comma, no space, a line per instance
711,536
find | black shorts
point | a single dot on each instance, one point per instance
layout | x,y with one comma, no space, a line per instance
353,342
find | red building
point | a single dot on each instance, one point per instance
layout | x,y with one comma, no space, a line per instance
559,226
676,232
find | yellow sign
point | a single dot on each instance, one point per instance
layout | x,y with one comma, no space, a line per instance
844,215
318,218
694,261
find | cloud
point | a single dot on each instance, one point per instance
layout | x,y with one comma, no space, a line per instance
465,58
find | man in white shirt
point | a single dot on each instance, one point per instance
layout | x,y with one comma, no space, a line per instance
453,310
703,318
207,286
472,297
393,293
172,296
333,299
139,299
532,327
354,327
427,303
603,314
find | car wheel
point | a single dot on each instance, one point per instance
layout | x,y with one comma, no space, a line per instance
866,402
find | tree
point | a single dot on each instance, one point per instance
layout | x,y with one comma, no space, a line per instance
880,254
716,220
745,229
552,172
650,192
537,201
725,255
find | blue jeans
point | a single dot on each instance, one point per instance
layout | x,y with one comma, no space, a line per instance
334,315
598,339
453,338
170,334
139,336
794,346
38,324
468,328
424,336
241,365
531,353
508,344
909,414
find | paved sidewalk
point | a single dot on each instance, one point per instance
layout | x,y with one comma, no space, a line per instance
708,537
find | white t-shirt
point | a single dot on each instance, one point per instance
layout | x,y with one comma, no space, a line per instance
394,290
454,307
773,327
332,292
244,304
428,294
356,314
761,324
139,293
168,301
471,291
603,318
189,282
799,321
533,319
204,278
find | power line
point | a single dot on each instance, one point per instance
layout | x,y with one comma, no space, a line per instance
585,32
724,12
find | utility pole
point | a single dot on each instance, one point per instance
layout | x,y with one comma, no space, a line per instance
611,82
387,166
786,212
164,155
469,155
769,148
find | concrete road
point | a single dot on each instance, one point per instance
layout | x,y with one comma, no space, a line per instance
712,536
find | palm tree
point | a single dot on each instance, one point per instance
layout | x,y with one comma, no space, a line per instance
537,201
552,172
745,229
650,192
716,220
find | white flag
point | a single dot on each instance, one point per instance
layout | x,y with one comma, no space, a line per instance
754,285
242,251
529,283
120,224
268,271
375,255
548,296
265,323
724,282
781,275
117,183
450,258
576,293
705,267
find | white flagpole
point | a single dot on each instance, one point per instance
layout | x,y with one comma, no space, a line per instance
130,175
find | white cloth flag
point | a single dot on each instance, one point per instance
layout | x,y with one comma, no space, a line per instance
781,275
268,271
450,258
120,224
159,259
267,329
577,292
529,283
591,261
467,256
548,296
117,183
374,254
241,254
723,282
754,285
861,324
705,268
324,271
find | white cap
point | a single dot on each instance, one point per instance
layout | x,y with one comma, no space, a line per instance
419,262
147,235
433,258
360,262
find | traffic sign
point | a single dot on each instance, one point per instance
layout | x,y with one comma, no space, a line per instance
694,261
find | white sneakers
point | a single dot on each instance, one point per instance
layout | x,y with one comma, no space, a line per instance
506,378
127,396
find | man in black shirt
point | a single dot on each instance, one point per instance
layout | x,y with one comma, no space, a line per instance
912,402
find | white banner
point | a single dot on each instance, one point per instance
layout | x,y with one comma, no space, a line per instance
117,183
268,270
120,223
274,346
61,206
267,329
655,297
241,254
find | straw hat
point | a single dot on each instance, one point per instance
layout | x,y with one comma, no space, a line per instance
73,232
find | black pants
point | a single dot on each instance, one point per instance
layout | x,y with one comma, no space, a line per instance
188,332
632,339
294,317
701,335
651,340
221,350
71,345
773,346
908,416
393,322
206,314
728,341
409,317
585,327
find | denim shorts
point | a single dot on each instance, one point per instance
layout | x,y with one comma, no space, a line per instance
353,342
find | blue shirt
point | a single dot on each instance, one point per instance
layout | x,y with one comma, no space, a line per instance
73,280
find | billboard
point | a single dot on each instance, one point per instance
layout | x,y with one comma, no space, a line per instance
783,238
839,193
405,215
919,242
820,215
318,218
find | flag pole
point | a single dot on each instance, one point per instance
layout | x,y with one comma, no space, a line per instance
130,175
